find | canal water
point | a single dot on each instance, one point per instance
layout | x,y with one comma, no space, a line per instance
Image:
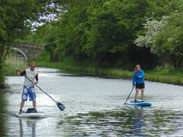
94,107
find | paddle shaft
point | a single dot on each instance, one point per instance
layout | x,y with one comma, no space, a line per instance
40,89
59,105
129,95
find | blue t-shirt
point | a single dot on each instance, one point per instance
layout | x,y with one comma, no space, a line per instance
136,78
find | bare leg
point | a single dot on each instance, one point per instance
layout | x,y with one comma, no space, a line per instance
136,94
142,94
34,104
22,105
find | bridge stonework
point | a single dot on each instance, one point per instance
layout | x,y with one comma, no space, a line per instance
29,49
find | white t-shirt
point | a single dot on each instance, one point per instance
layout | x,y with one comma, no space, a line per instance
32,75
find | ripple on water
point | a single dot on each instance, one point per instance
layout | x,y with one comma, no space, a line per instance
94,107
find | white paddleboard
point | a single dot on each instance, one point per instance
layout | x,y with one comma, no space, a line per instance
31,115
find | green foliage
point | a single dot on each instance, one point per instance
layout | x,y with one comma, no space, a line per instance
103,31
16,21
159,74
153,27
164,38
169,41
9,69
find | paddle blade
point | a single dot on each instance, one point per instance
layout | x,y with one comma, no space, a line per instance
60,106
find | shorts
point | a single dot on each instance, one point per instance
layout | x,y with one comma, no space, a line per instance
140,85
28,92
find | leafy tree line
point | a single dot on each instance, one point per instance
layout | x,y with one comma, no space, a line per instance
106,32
16,18
165,39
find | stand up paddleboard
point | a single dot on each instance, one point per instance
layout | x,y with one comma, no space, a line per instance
140,103
31,113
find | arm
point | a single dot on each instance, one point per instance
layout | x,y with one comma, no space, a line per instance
142,74
36,77
20,73
17,72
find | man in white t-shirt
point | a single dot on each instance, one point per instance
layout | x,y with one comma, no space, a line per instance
28,89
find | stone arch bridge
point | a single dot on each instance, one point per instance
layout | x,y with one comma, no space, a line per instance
27,50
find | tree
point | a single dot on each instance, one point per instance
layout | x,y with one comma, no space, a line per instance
16,17
169,41
104,31
164,38
153,28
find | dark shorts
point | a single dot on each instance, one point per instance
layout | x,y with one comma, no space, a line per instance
140,85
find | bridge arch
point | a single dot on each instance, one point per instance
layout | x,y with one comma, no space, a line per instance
28,50
21,52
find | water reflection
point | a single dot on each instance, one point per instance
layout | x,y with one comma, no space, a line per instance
108,123
138,121
31,130
94,108
130,121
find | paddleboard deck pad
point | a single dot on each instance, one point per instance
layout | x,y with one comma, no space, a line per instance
140,103
31,113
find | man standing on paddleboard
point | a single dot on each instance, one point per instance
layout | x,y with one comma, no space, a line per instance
138,82
31,79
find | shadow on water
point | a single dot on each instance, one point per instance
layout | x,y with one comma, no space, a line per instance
133,121
2,113
93,109
110,123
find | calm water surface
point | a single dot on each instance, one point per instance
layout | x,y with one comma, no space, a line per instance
94,107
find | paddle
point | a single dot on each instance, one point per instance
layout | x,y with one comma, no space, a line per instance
59,105
128,96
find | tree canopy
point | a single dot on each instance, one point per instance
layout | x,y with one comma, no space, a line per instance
16,18
104,31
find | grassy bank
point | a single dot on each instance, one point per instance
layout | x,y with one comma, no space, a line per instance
164,75
9,69
13,62
159,75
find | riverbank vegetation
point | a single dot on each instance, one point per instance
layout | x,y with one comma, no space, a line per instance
17,19
106,37
167,74
9,69
107,33
13,62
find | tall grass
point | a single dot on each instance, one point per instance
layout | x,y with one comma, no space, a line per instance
9,69
159,74
165,75
11,64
